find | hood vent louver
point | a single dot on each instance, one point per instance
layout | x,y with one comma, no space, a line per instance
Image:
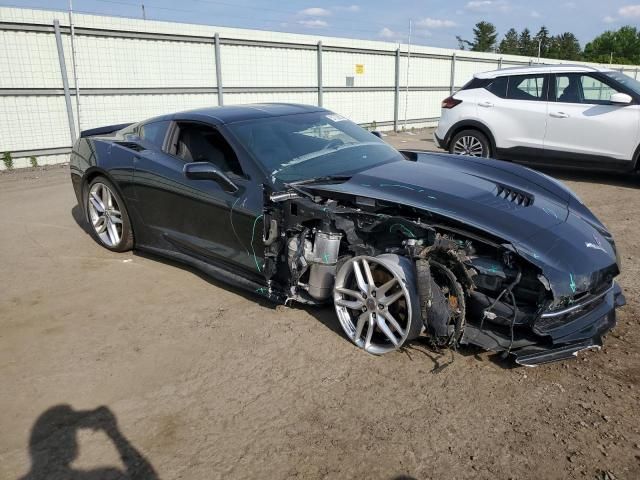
514,196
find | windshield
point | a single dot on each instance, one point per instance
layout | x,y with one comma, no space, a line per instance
300,147
625,80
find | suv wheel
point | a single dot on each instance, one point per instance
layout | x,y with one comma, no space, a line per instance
471,143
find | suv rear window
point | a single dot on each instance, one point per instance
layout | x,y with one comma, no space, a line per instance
519,87
499,86
526,87
476,83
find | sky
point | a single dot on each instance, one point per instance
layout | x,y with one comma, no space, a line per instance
435,23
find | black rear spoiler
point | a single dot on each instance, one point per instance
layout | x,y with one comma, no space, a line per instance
92,132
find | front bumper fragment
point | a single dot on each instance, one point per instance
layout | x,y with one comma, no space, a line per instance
540,357
584,332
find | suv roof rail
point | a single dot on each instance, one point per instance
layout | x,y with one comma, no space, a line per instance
548,66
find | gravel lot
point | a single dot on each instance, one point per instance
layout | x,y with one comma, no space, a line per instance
202,381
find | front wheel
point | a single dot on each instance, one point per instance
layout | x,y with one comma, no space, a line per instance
108,216
471,143
377,303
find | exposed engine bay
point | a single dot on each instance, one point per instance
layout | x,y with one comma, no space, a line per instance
394,273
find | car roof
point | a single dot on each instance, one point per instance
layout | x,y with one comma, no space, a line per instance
239,113
537,69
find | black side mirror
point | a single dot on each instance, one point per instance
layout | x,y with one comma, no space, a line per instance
377,133
208,171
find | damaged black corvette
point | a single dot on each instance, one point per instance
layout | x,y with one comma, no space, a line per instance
299,204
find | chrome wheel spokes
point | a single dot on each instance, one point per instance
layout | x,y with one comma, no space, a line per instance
468,145
373,304
105,214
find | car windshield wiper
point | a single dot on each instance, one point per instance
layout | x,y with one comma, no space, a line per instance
323,178
300,184
321,153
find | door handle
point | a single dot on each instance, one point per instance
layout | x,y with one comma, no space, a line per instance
485,104
559,115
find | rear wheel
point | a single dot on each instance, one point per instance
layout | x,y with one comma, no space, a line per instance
107,216
470,143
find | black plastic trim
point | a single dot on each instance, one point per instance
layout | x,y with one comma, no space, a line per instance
557,158
103,130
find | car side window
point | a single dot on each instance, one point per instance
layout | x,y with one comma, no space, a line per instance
154,132
200,143
582,88
526,87
498,87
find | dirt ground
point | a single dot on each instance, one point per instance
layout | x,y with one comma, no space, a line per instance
202,381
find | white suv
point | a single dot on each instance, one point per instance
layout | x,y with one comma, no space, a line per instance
566,115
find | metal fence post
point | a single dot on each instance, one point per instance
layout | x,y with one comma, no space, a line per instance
65,80
216,40
452,85
320,91
396,95
500,64
636,75
74,63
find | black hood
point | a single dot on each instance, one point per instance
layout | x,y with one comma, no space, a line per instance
537,216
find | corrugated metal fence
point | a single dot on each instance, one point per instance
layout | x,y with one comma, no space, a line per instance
59,79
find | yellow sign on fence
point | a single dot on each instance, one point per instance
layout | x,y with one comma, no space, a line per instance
359,69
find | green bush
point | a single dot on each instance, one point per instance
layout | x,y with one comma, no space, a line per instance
8,160
34,161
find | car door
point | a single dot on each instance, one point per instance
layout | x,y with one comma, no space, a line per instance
584,127
515,109
199,217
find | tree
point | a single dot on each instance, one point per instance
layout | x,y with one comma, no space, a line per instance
623,46
509,44
526,45
485,37
565,47
542,40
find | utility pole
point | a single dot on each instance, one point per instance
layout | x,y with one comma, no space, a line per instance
539,49
406,96
144,14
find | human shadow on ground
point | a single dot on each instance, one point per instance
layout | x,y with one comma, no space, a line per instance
53,447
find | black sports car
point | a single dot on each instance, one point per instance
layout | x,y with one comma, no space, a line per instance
296,203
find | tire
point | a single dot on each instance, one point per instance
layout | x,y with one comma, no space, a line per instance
110,226
377,303
470,143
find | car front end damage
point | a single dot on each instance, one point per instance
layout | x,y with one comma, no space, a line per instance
396,271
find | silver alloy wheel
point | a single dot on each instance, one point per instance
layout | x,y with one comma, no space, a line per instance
105,215
469,145
373,304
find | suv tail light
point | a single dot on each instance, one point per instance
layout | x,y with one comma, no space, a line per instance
450,102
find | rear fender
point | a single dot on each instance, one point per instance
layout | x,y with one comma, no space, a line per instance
470,125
